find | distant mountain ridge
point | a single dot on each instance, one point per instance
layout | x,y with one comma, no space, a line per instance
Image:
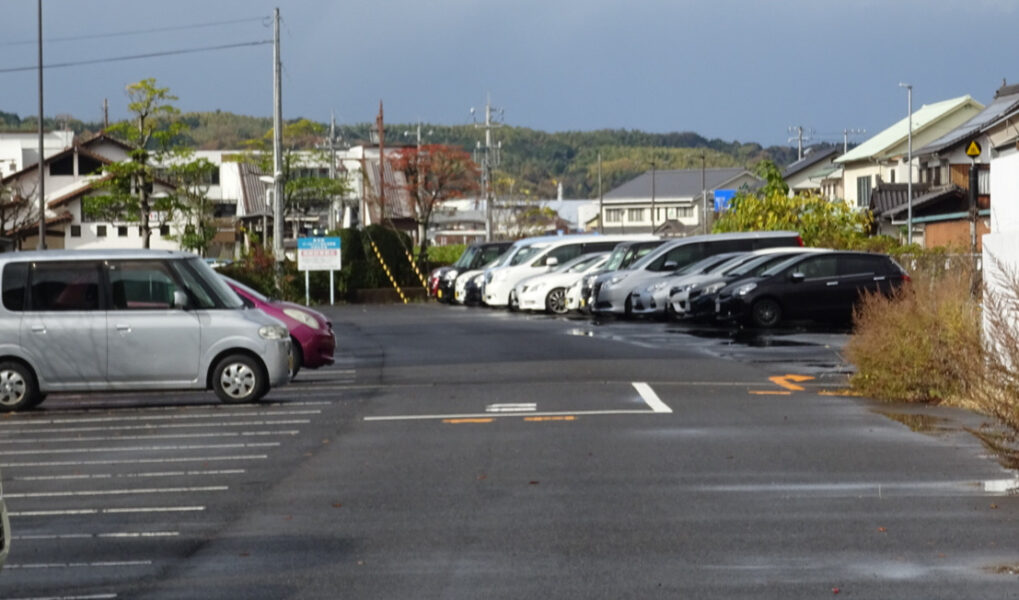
533,163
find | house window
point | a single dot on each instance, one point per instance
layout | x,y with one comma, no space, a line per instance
984,182
100,230
164,230
891,176
670,213
635,215
75,230
685,212
122,231
863,191
614,215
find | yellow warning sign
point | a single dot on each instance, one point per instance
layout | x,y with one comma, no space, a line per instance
973,149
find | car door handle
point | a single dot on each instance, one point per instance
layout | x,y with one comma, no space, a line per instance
124,328
38,329
832,283
879,278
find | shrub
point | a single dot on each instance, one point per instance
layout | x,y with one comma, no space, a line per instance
439,256
922,344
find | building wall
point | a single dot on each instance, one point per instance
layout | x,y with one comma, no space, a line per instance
955,234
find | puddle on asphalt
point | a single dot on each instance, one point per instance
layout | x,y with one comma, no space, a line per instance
1001,444
918,422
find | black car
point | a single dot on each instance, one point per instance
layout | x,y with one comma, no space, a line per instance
822,287
441,280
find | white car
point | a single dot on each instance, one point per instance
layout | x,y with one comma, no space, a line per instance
547,291
539,257
5,529
578,295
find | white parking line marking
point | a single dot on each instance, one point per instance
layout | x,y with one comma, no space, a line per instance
130,475
131,461
651,398
83,493
139,449
97,536
505,415
512,407
136,418
120,563
158,436
103,511
89,597
168,426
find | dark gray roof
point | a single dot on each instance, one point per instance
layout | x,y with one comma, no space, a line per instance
253,191
680,183
815,156
1006,100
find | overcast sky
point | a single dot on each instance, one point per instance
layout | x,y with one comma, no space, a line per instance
744,70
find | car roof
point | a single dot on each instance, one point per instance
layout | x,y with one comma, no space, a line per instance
115,254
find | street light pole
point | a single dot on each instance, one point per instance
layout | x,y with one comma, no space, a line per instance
42,155
652,196
909,164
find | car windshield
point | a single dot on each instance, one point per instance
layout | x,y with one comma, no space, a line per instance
779,266
525,253
755,266
467,257
581,263
617,256
201,279
703,265
250,290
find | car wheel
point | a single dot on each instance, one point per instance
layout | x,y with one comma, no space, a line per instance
555,302
670,311
239,378
18,389
512,303
766,313
628,307
296,358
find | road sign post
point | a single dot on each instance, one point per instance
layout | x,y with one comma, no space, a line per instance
319,254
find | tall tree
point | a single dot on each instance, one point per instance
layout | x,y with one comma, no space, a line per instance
307,189
434,174
16,211
151,132
191,179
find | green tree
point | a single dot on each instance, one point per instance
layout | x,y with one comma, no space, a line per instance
307,188
129,184
192,179
819,222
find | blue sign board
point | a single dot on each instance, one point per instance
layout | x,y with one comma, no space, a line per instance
722,199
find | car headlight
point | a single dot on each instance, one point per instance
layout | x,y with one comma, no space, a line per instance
714,288
273,332
301,317
615,280
744,289
657,286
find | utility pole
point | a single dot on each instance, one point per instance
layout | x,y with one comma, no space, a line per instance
42,155
653,178
489,160
801,136
332,169
277,148
845,137
380,124
601,200
704,192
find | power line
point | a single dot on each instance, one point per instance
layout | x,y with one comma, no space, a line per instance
136,56
135,32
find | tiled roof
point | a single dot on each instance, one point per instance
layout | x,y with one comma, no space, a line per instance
1006,100
813,157
680,183
252,191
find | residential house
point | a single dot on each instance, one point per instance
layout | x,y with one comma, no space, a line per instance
883,157
19,149
809,173
1001,246
676,201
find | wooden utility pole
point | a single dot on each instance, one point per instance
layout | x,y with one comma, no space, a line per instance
381,125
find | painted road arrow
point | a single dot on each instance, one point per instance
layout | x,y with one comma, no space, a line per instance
786,381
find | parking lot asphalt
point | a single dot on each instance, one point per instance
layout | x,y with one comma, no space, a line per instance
458,453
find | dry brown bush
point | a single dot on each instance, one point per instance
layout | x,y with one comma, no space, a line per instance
922,344
995,385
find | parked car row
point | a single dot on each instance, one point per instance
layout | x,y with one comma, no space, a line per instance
755,278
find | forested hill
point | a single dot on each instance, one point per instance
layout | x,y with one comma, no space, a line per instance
533,162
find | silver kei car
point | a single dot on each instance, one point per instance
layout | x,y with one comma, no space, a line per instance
86,321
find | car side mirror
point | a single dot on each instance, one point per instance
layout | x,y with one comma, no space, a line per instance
551,261
797,277
180,299
670,266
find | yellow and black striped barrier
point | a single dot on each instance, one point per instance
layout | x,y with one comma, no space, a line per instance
389,273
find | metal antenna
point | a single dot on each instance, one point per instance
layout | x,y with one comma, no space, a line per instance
845,137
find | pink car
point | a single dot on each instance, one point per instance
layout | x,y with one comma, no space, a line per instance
310,331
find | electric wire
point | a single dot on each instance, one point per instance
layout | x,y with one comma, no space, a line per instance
136,56
135,32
